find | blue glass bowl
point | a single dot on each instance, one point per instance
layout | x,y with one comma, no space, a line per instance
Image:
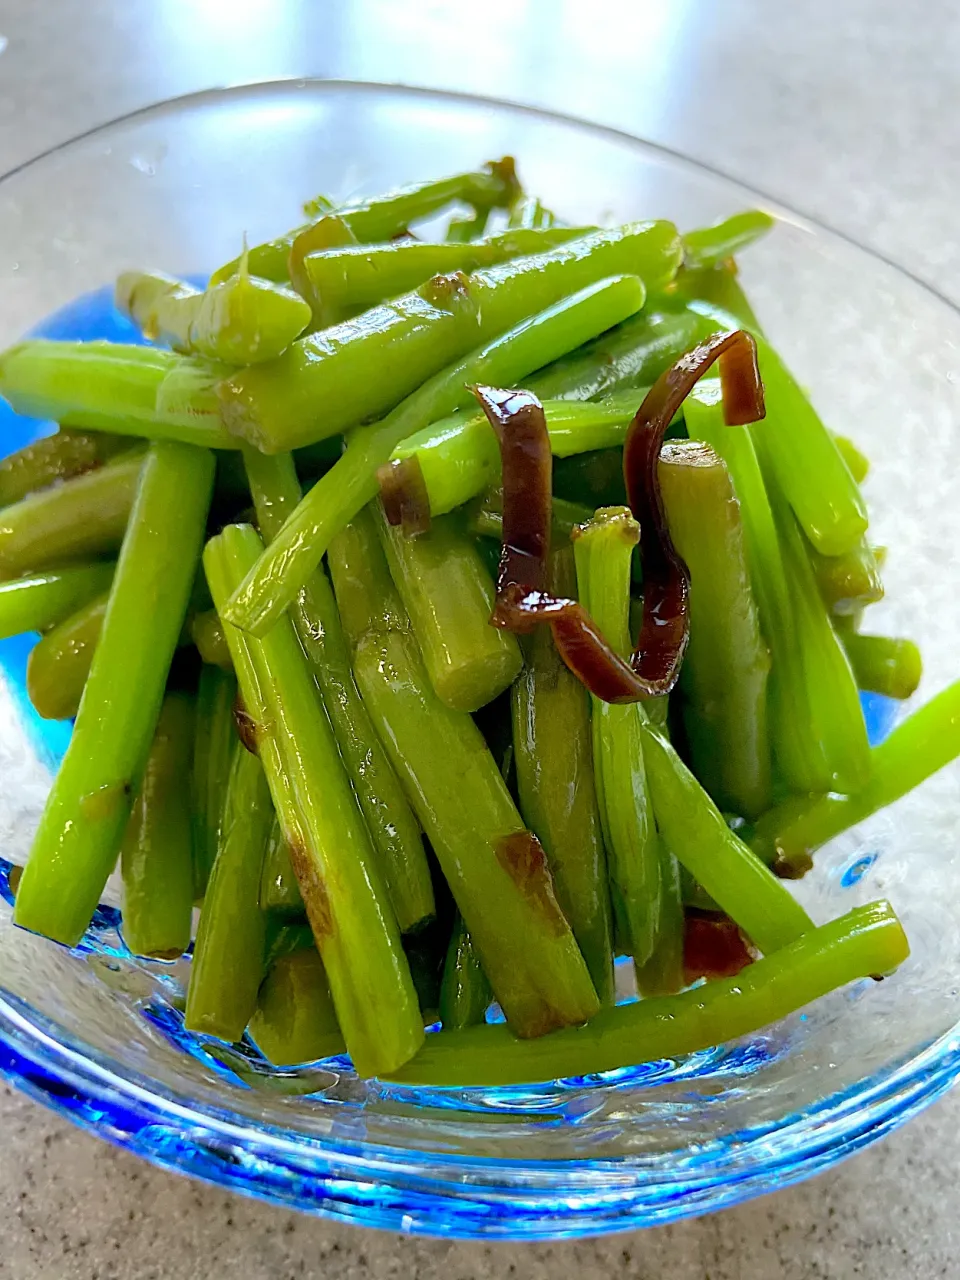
97,1034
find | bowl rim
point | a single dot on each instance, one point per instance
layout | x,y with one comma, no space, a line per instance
785,212
451,1195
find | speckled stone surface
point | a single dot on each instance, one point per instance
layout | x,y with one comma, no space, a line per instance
844,111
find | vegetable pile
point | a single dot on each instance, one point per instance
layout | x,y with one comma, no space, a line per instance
448,619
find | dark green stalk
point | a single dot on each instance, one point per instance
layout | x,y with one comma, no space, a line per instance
61,456
59,663
850,582
353,278
82,826
866,941
295,1020
832,696
797,747
485,516
156,858
212,752
709,246
228,955
206,632
365,602
603,549
633,354
385,216
279,890
917,748
449,596
662,974
724,675
693,828
465,993
557,790
803,455
390,821
109,386
242,320
459,457
857,461
882,665
81,519
41,601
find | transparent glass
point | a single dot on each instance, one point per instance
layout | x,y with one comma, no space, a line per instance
97,1034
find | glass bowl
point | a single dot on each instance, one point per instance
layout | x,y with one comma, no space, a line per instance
97,1035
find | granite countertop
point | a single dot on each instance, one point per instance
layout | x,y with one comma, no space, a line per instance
838,110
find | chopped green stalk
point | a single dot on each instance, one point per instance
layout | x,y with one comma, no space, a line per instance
528,211
231,937
188,396
80,831
724,674
866,941
462,230
242,320
882,665
556,786
709,246
41,601
714,294
832,696
465,993
212,752
797,747
279,890
485,516
206,632
633,354
459,456
350,484
604,547
803,455
390,821
502,886
387,215
496,871
917,748
109,386
330,232
330,849
59,663
857,461
58,457
365,603
850,582
161,306
78,520
663,974
594,479
694,830
295,1020
285,937
353,278
359,369
449,596
156,858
